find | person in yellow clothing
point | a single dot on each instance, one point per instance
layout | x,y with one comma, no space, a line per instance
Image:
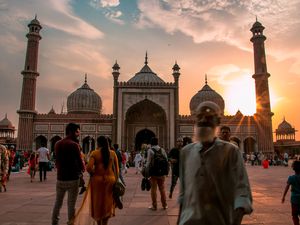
98,204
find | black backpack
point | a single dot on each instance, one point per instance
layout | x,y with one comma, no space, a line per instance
160,165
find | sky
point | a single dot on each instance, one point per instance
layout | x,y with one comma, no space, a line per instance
205,37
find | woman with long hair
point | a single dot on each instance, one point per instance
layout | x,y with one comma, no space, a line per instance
98,204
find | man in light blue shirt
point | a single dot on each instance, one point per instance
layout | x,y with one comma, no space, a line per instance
214,184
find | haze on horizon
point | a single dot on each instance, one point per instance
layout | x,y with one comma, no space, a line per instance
205,37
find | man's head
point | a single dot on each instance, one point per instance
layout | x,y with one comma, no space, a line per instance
208,116
154,141
73,130
225,133
296,166
179,142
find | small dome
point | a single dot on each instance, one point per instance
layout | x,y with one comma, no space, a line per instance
206,94
146,75
6,123
84,100
284,125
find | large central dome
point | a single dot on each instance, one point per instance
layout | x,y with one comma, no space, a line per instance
206,94
84,100
146,75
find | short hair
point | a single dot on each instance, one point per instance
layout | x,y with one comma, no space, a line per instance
154,141
71,128
296,166
225,128
116,146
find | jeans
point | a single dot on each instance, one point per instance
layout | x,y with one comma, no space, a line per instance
173,182
43,167
72,187
160,182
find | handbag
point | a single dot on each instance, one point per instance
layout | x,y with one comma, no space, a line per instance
118,189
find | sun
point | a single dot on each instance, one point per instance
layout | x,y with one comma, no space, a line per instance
240,95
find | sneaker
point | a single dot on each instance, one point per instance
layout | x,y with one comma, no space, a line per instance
82,190
165,207
152,208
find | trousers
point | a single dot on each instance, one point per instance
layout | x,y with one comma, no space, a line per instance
160,183
72,188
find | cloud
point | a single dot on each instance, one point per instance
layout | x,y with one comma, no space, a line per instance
227,21
104,3
114,16
107,7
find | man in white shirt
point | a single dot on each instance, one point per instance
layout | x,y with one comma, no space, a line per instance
43,159
214,183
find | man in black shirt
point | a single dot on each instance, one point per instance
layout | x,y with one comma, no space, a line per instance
174,160
69,166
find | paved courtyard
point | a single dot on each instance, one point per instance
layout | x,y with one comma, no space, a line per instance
28,203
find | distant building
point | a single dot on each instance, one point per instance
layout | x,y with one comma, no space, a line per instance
143,107
7,132
286,139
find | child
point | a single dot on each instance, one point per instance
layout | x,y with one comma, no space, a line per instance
32,165
138,160
294,181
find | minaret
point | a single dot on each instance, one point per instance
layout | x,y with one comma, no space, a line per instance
116,75
176,75
263,114
27,107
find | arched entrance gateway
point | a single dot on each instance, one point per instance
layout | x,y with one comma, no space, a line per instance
40,140
145,120
143,137
250,145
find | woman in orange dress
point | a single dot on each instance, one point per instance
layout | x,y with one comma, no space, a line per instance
98,202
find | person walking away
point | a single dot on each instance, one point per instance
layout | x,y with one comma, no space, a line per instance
157,166
32,163
214,186
69,166
138,160
174,160
4,162
119,155
98,203
294,181
43,159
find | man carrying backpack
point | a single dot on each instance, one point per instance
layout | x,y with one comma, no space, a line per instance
158,167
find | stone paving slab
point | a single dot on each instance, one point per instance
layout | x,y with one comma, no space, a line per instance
28,203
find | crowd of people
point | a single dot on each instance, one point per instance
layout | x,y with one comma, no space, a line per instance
211,169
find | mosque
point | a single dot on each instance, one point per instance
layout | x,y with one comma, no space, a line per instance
143,107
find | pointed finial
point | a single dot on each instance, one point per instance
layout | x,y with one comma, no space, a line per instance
5,115
146,58
35,16
85,79
256,18
283,118
205,79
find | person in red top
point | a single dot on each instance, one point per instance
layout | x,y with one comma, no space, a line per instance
32,165
69,166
